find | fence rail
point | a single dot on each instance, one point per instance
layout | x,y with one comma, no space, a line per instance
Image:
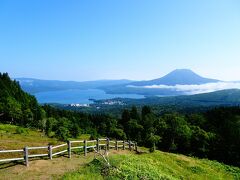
61,152
77,147
12,159
58,146
37,155
10,151
117,144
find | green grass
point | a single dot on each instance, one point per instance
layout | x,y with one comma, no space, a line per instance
157,165
15,137
89,171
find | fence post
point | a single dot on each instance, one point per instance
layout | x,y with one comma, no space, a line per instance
116,145
69,149
97,144
107,145
50,152
26,156
85,147
123,144
129,144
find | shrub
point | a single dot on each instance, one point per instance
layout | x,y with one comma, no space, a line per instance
20,130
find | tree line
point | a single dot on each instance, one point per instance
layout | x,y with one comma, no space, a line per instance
214,134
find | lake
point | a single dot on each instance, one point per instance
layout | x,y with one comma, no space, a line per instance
79,96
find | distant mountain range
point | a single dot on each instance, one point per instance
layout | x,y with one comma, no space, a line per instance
37,85
177,82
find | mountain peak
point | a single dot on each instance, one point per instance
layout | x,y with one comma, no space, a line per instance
183,74
183,70
178,76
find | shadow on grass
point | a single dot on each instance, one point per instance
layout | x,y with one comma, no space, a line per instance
10,164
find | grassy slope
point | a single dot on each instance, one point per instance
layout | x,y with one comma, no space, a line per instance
14,137
126,165
158,165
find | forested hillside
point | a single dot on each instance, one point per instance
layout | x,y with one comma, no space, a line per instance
16,106
213,134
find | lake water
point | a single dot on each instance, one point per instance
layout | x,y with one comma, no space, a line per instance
79,96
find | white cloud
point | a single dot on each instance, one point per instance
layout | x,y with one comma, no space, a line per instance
196,89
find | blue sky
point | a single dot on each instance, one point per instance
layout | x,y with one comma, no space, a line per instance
116,39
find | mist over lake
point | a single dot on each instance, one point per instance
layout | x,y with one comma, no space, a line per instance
79,96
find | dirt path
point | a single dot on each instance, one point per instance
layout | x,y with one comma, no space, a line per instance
47,169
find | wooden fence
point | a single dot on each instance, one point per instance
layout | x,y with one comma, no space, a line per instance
68,147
